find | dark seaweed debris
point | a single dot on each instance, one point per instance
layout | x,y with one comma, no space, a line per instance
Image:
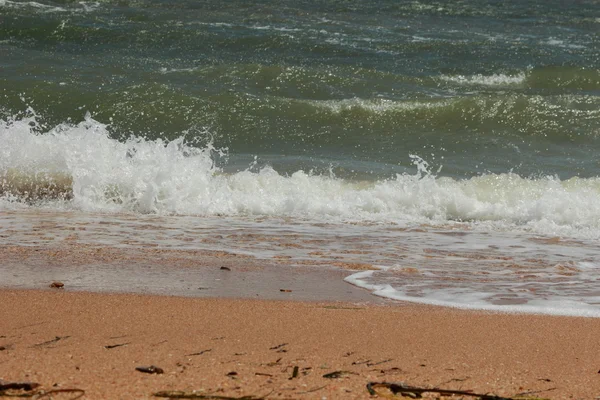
417,392
151,369
30,389
178,394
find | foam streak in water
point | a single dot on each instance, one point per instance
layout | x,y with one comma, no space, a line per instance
490,80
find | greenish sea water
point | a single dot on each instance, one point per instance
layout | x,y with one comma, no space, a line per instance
473,86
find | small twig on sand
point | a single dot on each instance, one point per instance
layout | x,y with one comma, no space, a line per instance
56,339
198,353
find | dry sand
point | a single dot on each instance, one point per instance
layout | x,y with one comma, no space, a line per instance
229,347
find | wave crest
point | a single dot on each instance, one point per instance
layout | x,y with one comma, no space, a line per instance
82,165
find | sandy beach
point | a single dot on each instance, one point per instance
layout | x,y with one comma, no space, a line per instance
285,349
224,325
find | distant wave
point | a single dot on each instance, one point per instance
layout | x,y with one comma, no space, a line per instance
556,116
535,78
32,4
487,80
81,6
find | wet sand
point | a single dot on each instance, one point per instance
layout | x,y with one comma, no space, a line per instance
247,347
188,273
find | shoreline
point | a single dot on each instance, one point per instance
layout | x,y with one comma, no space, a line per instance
174,272
249,347
233,325
276,259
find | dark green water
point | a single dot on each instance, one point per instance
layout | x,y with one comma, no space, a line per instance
473,86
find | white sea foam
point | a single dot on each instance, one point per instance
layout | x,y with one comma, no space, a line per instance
82,6
165,70
215,24
173,178
378,105
471,296
561,43
89,6
487,80
32,4
274,28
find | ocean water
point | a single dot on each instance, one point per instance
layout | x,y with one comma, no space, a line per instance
451,146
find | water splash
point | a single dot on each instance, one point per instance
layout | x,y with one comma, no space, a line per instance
83,167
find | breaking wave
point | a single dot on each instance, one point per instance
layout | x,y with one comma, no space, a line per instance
80,166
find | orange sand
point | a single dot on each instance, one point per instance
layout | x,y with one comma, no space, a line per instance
238,348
